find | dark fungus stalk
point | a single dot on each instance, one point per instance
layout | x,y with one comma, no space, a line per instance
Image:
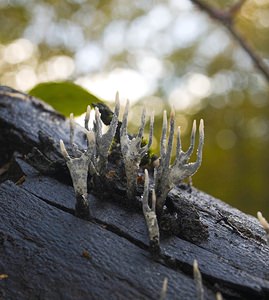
150,217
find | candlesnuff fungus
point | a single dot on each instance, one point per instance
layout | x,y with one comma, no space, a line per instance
72,125
219,296
87,117
198,281
150,217
105,111
200,292
164,289
264,224
132,151
106,117
93,160
79,168
72,128
167,176
104,141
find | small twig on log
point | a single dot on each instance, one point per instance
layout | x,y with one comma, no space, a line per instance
234,9
226,221
227,18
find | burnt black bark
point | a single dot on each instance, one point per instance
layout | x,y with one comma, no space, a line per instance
47,252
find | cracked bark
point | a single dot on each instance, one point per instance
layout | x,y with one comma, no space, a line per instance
49,253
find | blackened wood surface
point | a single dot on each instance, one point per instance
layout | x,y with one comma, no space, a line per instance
48,253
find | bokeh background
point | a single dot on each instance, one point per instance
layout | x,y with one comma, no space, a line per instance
159,54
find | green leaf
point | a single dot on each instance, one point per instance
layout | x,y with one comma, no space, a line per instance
65,97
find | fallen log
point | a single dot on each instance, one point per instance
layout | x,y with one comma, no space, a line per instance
49,253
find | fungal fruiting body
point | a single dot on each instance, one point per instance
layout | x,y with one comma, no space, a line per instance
198,281
79,168
164,289
104,141
264,224
132,151
94,161
150,216
167,176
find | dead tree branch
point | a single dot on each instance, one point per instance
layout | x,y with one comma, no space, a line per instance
227,19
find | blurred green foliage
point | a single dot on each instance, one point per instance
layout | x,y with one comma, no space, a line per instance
66,97
13,22
186,59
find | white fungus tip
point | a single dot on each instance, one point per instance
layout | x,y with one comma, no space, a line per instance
263,221
97,112
72,121
218,296
127,103
165,284
194,126
117,98
63,149
146,174
195,266
201,126
164,289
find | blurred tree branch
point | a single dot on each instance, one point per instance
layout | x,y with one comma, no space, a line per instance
227,18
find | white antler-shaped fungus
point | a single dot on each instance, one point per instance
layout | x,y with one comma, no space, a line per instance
79,168
132,151
166,176
103,141
93,160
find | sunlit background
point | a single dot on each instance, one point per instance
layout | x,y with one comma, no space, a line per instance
159,54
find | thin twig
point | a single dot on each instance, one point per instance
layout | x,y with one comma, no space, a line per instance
226,18
234,9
